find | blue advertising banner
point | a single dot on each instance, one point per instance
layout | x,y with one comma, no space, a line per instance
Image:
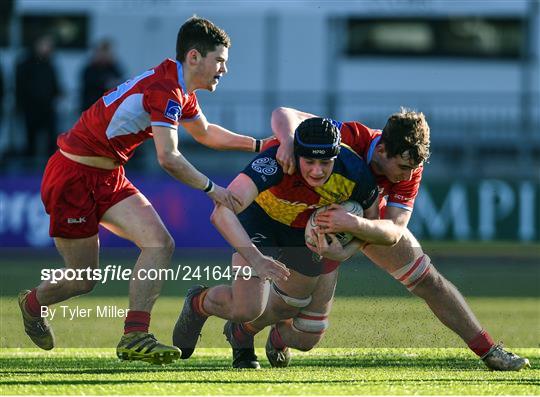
185,212
486,209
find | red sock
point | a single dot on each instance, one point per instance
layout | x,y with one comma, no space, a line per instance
32,306
241,333
136,321
249,329
481,343
276,339
197,303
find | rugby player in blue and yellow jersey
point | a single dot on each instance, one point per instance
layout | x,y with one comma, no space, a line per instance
268,235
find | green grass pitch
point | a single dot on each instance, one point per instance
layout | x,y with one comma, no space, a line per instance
387,371
360,357
381,340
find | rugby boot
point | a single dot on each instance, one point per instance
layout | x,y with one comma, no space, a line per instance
142,346
243,350
37,328
187,329
278,358
499,359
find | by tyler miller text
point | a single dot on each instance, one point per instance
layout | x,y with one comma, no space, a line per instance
76,312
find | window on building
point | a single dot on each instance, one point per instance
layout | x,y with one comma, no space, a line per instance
69,31
6,10
449,37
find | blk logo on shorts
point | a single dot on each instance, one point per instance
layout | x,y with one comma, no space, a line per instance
82,219
173,111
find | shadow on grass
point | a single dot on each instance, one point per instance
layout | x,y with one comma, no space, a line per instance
387,362
37,366
111,366
491,382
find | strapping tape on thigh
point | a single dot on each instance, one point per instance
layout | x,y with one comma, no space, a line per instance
310,322
289,300
411,274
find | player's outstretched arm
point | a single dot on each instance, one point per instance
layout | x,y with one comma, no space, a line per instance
172,161
284,122
217,137
227,223
397,215
369,229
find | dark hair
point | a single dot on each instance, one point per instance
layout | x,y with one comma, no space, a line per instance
317,138
407,131
200,34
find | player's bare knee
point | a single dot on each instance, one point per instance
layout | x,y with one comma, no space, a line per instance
162,242
218,299
242,311
245,314
307,342
167,242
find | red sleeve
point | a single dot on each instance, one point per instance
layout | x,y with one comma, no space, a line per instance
357,136
164,103
403,194
190,108
269,143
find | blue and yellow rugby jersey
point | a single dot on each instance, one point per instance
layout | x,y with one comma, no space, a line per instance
288,199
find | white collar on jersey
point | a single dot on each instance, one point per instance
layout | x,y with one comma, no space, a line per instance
180,71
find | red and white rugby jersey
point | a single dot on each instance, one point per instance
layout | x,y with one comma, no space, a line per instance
363,141
122,119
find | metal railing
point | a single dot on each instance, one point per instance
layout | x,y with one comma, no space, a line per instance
478,133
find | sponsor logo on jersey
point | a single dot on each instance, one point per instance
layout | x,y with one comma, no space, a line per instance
401,198
265,166
173,111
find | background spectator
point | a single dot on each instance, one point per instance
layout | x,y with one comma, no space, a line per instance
101,74
36,91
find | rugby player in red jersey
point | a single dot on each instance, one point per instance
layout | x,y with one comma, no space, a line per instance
396,156
84,184
271,225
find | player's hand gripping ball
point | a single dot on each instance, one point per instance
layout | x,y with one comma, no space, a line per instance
344,238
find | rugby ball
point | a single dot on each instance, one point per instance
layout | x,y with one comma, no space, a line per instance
344,238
